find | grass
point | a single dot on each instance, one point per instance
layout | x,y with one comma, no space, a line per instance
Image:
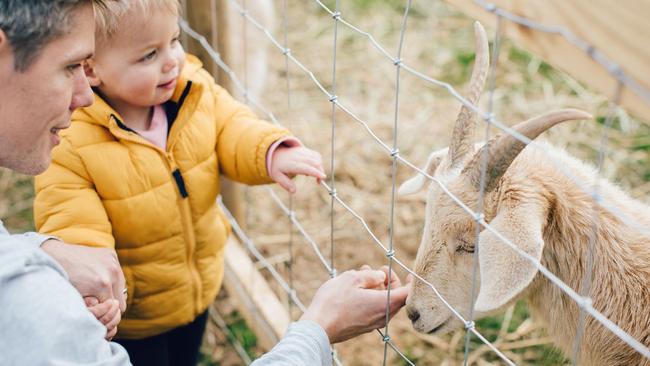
238,332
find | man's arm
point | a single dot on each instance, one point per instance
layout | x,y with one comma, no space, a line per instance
305,343
343,307
93,272
44,320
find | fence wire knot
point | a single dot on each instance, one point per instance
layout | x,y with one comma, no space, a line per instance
397,62
292,215
386,338
336,15
390,253
394,153
333,98
489,117
286,51
616,71
490,7
333,273
479,216
469,325
333,192
585,303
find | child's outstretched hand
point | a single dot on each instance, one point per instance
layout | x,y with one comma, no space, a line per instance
107,312
288,161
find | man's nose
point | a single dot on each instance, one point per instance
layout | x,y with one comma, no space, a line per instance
82,95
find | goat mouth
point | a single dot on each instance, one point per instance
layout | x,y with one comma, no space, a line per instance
440,326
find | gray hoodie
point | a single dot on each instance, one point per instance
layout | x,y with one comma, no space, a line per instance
43,319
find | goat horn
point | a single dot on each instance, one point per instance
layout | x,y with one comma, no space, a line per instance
503,149
461,138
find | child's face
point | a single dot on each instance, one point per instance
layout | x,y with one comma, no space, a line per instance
139,66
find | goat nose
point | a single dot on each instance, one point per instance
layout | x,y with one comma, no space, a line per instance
413,314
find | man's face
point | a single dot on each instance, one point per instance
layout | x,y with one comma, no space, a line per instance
37,103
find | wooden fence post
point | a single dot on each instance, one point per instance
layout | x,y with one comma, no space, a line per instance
247,288
200,14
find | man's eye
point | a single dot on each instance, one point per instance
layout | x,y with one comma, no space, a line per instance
73,67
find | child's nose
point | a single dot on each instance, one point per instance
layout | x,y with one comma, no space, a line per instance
170,64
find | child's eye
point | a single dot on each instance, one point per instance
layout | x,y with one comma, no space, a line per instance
149,56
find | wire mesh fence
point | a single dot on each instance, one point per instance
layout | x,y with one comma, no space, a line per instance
391,150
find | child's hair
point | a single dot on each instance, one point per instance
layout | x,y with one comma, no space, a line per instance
108,17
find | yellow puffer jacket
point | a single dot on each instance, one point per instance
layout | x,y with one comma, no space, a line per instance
109,187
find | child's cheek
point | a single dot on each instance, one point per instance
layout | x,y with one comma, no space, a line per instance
180,53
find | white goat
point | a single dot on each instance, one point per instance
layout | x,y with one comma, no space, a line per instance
537,207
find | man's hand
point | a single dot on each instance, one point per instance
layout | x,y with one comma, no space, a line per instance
107,312
355,303
289,161
93,272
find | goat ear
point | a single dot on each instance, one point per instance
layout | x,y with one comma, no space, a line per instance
416,183
504,272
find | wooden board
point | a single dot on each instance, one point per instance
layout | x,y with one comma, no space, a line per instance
619,29
253,297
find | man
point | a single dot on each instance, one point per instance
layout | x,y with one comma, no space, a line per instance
43,44
43,318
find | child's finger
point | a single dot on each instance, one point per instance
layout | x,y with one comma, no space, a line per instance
286,183
111,314
113,322
111,333
91,301
100,309
313,160
308,170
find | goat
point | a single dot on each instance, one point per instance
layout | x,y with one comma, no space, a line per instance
530,201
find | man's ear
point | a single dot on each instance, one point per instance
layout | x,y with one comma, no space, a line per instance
91,74
504,272
6,50
4,41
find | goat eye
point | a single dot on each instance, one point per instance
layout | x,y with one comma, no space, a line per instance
465,246
463,249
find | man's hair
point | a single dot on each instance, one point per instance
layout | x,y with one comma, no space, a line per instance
109,16
31,25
